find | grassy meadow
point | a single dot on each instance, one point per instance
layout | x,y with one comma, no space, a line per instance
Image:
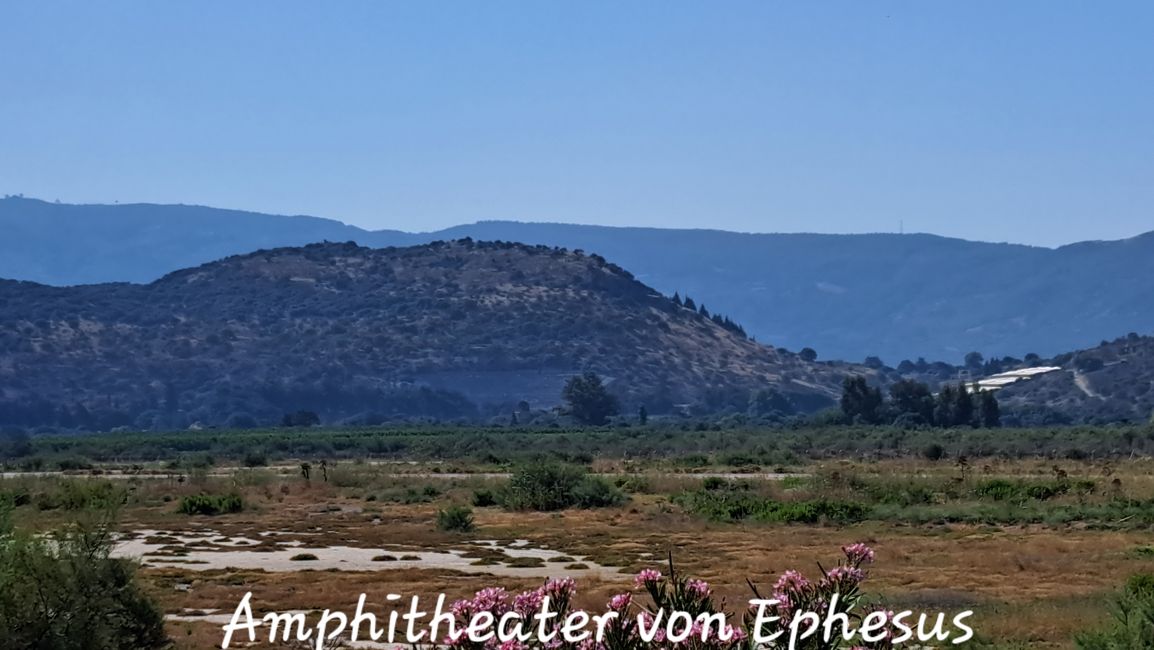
1034,530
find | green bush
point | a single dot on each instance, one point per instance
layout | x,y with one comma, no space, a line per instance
552,486
80,494
211,504
64,592
542,487
596,492
484,498
737,504
455,519
713,483
996,489
1133,625
1006,490
255,459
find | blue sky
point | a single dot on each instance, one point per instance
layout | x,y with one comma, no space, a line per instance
1028,122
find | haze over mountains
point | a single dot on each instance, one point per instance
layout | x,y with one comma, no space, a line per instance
847,296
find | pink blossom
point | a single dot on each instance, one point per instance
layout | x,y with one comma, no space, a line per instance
558,587
646,576
791,581
858,553
489,599
844,576
620,601
700,588
659,634
529,602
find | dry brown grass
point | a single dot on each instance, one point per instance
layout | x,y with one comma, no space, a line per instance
1031,585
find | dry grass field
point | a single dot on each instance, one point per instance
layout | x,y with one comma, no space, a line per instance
1030,584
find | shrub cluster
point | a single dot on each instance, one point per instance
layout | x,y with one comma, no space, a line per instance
727,501
211,504
457,519
63,592
551,486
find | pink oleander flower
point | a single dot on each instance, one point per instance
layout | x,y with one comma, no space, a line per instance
489,599
699,588
620,601
659,635
646,576
513,644
461,608
844,575
455,639
791,581
529,602
590,644
558,587
858,553
735,634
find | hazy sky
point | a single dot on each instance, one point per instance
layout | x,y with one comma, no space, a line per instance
1009,121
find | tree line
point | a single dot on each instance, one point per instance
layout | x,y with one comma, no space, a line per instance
912,404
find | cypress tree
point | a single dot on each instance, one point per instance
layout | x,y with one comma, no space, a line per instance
989,413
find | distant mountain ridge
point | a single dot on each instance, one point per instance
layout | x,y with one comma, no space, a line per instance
847,296
445,330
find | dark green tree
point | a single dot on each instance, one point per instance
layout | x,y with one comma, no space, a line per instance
642,416
588,399
963,407
989,413
860,402
944,408
808,354
912,401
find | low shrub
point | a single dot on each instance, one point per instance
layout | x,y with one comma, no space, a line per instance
484,498
596,492
737,505
457,519
62,591
553,486
211,504
1133,625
